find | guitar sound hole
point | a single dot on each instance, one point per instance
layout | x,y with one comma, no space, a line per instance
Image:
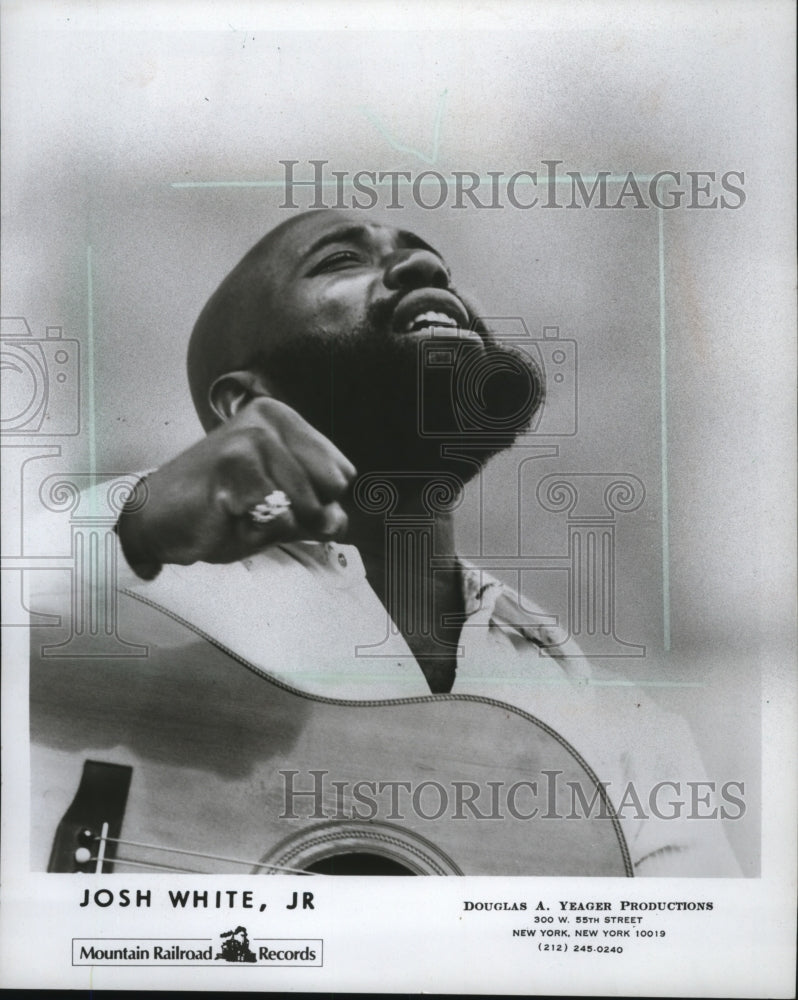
358,863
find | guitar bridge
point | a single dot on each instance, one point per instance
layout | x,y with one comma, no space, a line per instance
85,840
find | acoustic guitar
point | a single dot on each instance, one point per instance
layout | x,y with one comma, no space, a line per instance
192,760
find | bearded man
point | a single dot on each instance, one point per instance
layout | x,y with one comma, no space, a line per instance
304,369
312,371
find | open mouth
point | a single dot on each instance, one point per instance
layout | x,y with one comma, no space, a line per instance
428,320
428,309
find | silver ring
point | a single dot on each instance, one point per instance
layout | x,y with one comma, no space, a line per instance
273,505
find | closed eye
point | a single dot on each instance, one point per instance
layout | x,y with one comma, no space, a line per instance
338,260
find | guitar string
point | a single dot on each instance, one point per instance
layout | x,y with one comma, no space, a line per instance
149,865
200,854
414,700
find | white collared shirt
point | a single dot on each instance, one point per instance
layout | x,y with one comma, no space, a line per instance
306,614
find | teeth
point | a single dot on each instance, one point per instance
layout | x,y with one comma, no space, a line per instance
430,318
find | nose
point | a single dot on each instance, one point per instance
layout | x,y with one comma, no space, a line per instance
416,268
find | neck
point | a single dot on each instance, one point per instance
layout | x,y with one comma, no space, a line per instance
371,532
409,557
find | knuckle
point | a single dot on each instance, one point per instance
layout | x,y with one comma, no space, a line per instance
234,450
227,501
243,447
274,414
257,435
337,481
307,506
348,471
343,467
334,522
264,407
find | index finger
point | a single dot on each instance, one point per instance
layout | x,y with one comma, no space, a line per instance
328,469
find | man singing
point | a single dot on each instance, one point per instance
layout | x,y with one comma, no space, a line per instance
316,369
304,369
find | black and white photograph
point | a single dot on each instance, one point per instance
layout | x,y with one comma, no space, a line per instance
398,454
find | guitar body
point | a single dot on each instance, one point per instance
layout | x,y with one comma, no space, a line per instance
205,764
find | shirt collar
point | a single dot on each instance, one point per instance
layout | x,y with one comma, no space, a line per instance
342,563
480,590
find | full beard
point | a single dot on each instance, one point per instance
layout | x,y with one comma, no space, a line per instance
401,404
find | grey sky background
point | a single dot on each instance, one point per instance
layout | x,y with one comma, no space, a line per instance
100,121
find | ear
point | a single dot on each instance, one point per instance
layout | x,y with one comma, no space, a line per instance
233,390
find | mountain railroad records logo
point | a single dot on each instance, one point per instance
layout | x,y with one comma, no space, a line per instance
233,946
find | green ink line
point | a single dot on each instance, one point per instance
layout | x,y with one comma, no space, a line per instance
518,680
663,402
235,184
436,133
526,180
637,682
90,366
563,681
523,181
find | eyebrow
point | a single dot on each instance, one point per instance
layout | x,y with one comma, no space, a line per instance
359,234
